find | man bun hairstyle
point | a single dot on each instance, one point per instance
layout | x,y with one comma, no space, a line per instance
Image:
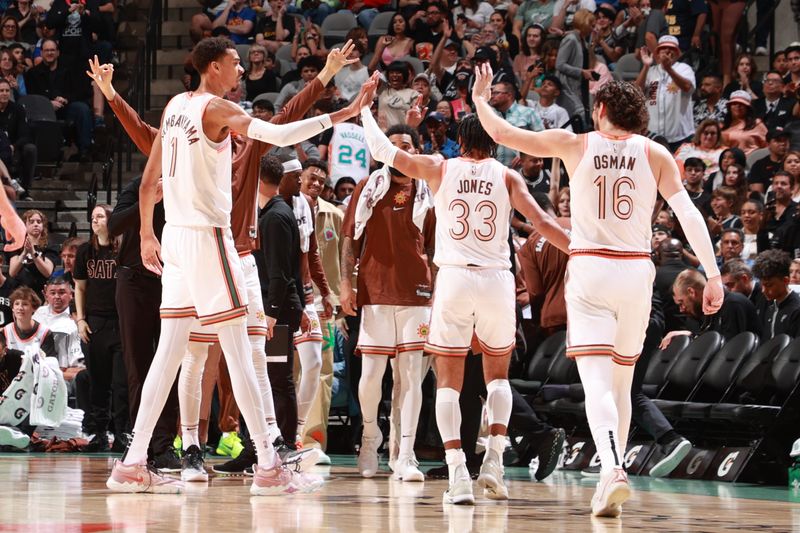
209,50
625,105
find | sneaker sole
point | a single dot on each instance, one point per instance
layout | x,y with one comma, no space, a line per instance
415,477
239,473
492,489
194,477
590,475
613,508
462,499
323,460
8,438
117,486
170,470
545,470
666,465
273,491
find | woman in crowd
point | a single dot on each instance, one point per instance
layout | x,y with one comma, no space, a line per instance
745,79
9,31
741,128
722,202
531,51
563,202
505,37
350,79
260,77
728,157
26,16
394,45
756,238
606,42
574,65
9,70
95,286
34,263
736,179
706,146
315,41
25,332
792,165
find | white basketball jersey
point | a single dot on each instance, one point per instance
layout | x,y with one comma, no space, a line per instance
348,152
472,213
305,221
35,340
612,195
196,171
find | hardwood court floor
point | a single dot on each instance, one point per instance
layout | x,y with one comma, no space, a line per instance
55,493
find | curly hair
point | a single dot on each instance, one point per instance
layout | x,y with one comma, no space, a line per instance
209,50
472,136
271,170
625,105
772,264
405,129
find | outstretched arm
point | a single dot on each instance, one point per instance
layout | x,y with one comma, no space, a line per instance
547,143
522,201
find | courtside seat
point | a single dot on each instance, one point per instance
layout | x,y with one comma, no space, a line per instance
687,370
661,363
717,380
536,370
784,379
562,376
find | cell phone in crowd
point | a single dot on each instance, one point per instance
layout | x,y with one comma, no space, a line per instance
278,345
595,76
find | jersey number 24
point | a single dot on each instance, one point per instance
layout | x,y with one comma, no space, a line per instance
346,156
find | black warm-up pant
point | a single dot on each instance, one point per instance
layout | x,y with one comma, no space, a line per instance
109,387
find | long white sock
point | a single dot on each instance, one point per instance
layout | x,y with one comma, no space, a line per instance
623,380
498,401
172,344
410,369
448,414
597,375
238,356
369,391
190,392
257,347
310,354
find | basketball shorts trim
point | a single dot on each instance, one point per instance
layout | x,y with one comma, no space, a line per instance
391,330
314,333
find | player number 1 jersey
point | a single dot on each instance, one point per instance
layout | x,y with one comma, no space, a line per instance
612,195
196,172
472,214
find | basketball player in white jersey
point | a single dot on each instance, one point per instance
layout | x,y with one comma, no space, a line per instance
474,290
201,277
347,152
614,178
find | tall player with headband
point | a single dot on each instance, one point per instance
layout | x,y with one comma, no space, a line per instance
615,175
193,148
474,291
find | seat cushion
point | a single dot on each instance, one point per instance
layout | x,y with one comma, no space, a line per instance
525,387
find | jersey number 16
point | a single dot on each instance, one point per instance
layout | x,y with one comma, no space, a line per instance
621,204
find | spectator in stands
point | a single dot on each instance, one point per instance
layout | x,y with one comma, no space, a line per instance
474,13
428,27
711,105
792,77
693,172
761,171
725,17
782,315
68,250
276,28
502,25
350,79
14,123
668,87
439,142
779,63
731,245
25,332
311,37
756,238
26,16
780,208
260,77
706,146
736,179
95,276
395,98
686,21
68,91
791,165
728,157
775,109
607,43
737,314
737,277
573,66
344,188
33,264
263,108
237,21
562,202
530,52
745,79
536,177
9,31
504,101
309,68
794,272
552,114
722,201
653,27
395,45
9,71
77,24
741,129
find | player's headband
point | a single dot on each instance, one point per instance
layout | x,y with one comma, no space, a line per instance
293,165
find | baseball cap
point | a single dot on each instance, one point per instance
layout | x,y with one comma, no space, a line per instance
553,79
740,97
793,47
435,115
778,133
668,41
424,77
452,44
661,228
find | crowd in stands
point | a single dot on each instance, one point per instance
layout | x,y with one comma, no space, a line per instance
734,131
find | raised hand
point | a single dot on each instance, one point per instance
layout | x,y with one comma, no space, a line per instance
102,75
416,114
337,58
646,56
367,94
482,88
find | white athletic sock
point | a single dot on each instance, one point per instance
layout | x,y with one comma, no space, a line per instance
257,347
498,401
454,458
172,344
597,374
238,356
369,391
190,391
448,414
409,372
310,354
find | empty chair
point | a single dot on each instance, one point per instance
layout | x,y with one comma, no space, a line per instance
284,53
755,155
686,372
336,25
379,27
37,107
266,96
661,363
244,55
415,63
716,380
628,67
536,369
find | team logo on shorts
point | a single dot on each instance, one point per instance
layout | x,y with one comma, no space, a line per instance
261,316
314,324
422,331
400,198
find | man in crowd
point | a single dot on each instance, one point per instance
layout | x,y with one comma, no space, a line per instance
14,122
782,314
737,277
552,114
711,103
731,245
504,102
775,109
439,143
762,170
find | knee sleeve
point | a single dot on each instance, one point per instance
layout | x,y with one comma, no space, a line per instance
498,401
448,414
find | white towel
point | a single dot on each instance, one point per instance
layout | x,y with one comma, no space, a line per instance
376,188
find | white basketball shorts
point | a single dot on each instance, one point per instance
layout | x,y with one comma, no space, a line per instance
393,329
